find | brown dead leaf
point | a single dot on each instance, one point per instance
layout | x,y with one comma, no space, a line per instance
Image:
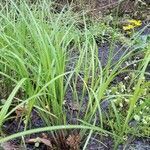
73,141
44,136
46,142
19,112
40,140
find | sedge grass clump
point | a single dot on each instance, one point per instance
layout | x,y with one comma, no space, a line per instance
35,44
35,48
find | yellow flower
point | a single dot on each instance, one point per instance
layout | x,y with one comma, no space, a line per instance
132,24
136,23
128,27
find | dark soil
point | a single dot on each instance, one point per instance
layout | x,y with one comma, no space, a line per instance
136,144
105,54
100,143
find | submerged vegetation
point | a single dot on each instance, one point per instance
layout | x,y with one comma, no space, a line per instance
66,77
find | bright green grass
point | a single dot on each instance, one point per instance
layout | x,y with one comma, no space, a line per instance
41,47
